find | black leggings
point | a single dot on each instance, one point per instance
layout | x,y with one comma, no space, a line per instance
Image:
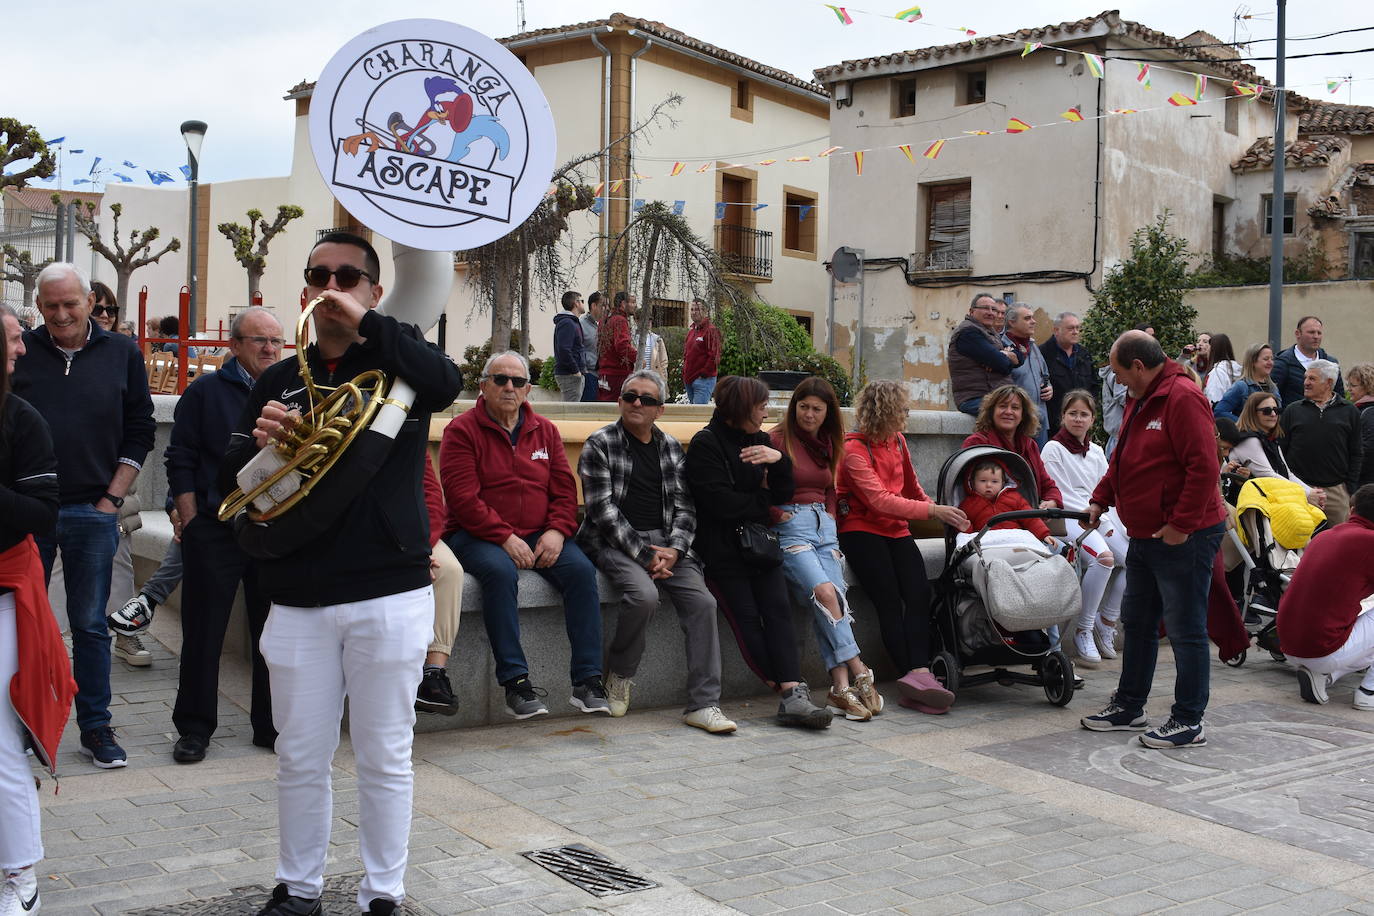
759,611
893,574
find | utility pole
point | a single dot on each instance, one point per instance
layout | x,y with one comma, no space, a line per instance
1277,202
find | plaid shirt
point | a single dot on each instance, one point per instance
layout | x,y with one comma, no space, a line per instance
605,468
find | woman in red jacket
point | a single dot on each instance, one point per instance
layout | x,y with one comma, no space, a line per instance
34,672
1007,419
878,496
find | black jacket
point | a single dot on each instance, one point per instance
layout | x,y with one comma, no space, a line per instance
1065,378
1367,440
567,344
205,415
96,403
1288,372
1323,444
381,544
28,474
729,492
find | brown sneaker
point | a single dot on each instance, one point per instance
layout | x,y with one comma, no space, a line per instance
863,686
847,703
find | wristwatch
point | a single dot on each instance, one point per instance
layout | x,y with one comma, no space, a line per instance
116,501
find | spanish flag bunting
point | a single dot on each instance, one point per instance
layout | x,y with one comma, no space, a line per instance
1199,86
767,161
617,185
906,151
1142,75
978,133
826,152
1017,126
1248,90
858,162
705,167
677,168
1124,110
1032,46
798,158
597,192
1073,114
911,14
841,14
1094,63
933,150
1179,99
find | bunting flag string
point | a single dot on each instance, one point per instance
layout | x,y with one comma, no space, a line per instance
859,162
1073,114
933,151
1199,86
1334,86
827,152
911,14
1142,75
1017,126
841,13
1095,64
1032,46
906,151
1181,100
677,169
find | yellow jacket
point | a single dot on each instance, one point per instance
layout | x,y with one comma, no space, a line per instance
1291,517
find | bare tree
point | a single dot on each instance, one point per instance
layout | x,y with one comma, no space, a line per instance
18,143
124,260
19,267
251,251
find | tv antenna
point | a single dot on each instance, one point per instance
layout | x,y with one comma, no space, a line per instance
520,13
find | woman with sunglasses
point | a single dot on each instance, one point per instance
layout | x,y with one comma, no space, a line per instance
1257,449
1254,377
106,308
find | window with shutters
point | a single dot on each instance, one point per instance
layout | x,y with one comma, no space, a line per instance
947,229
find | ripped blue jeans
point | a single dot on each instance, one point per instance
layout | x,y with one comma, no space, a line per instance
811,555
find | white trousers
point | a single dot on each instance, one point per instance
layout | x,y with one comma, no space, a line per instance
21,837
1103,586
1356,655
373,653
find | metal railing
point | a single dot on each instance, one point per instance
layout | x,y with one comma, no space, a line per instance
745,251
944,259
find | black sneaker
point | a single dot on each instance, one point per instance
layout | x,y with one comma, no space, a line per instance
1174,734
99,744
590,696
189,749
522,699
384,907
436,694
1115,718
281,903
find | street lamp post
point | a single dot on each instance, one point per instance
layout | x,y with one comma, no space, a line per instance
193,132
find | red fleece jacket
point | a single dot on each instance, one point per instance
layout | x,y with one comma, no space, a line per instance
495,489
434,502
1027,449
979,509
881,490
1319,607
701,352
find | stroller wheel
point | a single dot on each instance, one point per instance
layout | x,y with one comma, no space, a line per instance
1057,672
1277,656
1237,661
945,668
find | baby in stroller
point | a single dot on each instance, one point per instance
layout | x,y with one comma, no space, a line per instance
989,494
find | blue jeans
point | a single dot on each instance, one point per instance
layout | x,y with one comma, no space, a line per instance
1169,584
810,556
699,390
167,576
573,575
589,386
971,406
87,538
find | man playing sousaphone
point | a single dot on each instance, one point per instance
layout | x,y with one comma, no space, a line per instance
352,610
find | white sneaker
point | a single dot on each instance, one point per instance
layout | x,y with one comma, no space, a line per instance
618,692
711,719
1312,686
19,893
131,649
1364,699
1087,650
1104,632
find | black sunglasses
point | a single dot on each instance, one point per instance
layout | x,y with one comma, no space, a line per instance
347,276
648,400
105,310
500,380
1267,411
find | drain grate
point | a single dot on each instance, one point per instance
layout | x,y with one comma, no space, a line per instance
589,870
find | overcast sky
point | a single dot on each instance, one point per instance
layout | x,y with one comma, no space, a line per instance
117,80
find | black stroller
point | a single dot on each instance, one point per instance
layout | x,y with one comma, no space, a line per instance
966,634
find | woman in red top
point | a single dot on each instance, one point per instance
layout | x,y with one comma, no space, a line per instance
878,496
812,435
1009,420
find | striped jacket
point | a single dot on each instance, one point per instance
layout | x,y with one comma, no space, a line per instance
605,468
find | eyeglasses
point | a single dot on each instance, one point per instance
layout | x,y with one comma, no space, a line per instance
111,310
500,380
258,341
347,276
648,400
1267,411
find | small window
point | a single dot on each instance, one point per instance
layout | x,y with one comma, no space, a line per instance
799,221
974,88
948,226
742,96
904,97
1218,229
742,101
1290,207
1232,116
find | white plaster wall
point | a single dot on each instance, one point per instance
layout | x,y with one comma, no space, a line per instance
165,208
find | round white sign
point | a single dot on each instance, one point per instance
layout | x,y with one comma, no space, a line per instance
432,134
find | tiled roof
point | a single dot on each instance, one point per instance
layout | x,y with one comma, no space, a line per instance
1327,117
1109,21
1303,153
655,29
36,197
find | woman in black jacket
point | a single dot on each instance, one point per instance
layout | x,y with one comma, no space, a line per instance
736,475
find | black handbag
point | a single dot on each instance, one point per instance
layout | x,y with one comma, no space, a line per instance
757,544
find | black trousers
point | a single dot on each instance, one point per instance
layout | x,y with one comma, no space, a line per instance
213,566
758,608
892,573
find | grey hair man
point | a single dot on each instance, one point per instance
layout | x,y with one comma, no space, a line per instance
1069,363
638,529
1032,374
1321,438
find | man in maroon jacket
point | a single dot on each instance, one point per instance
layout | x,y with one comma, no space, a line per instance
1163,481
700,355
512,505
616,344
1320,625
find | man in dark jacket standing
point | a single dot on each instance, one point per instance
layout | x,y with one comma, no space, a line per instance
1069,364
1290,364
1321,439
567,348
1163,481
213,562
979,360
90,385
352,610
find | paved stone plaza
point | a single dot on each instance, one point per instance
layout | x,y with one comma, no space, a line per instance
1004,805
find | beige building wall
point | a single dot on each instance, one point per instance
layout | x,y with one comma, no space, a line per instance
1243,312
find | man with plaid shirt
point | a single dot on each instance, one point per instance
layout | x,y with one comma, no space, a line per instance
638,529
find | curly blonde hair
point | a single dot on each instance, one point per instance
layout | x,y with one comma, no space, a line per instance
880,410
1030,416
1363,375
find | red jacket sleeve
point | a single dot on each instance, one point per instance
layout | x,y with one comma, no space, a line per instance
562,487
862,479
1196,506
459,454
1015,502
434,502
620,348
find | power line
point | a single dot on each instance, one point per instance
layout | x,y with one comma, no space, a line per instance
1232,44
1232,60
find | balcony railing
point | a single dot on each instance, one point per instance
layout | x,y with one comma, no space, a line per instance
745,251
944,259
